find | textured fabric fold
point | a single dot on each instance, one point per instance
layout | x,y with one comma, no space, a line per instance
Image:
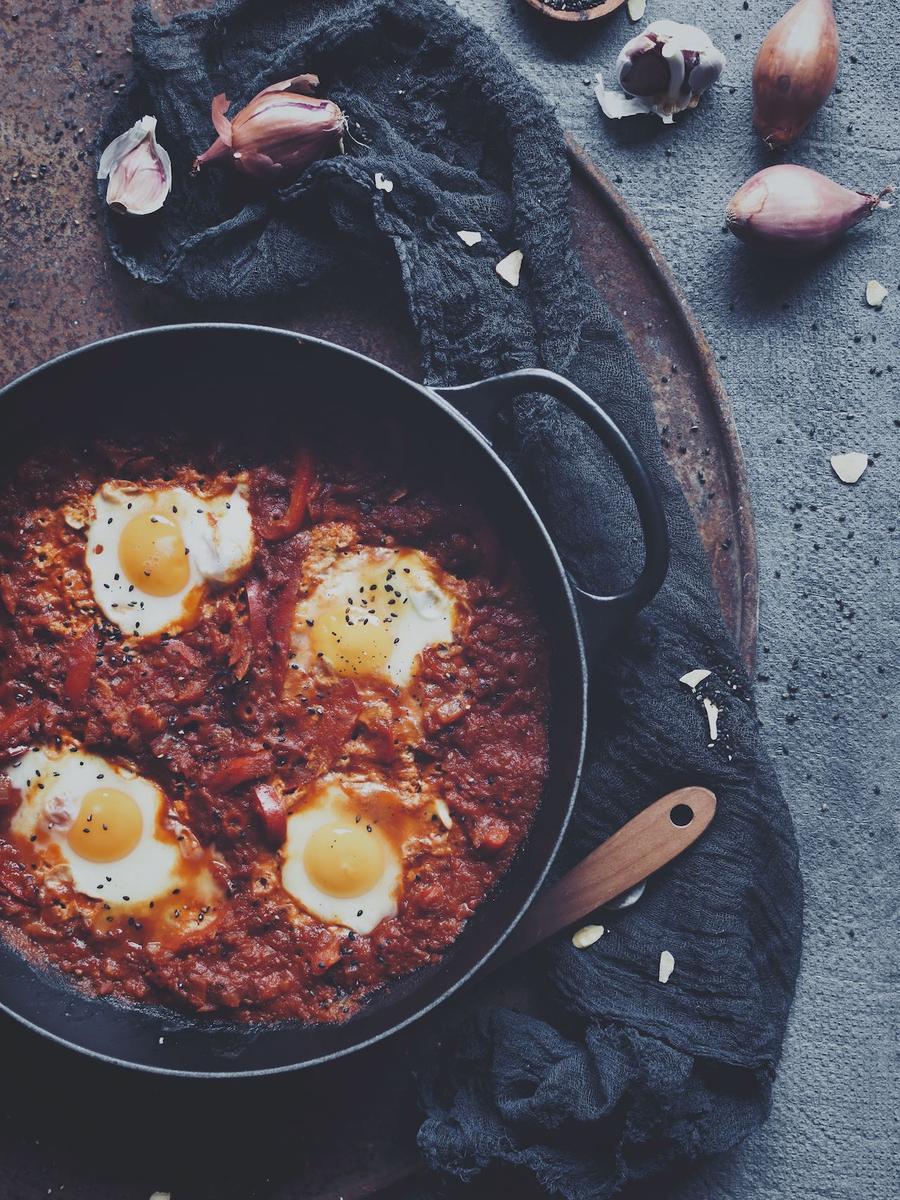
621,1076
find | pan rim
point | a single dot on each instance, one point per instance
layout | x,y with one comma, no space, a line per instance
455,415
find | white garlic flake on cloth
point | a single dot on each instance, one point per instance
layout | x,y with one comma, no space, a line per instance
469,236
712,716
663,70
508,268
693,679
666,966
382,183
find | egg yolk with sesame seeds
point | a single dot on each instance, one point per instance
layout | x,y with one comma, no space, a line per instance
108,826
375,611
344,859
152,554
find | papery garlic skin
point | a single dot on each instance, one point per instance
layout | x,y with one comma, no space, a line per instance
664,70
139,170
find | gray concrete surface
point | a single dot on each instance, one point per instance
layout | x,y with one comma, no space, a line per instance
811,372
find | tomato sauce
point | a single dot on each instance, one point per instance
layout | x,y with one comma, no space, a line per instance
206,714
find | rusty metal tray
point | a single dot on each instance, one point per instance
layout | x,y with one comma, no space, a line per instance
349,1129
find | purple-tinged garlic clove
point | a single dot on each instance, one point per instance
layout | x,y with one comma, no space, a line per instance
283,129
663,70
138,170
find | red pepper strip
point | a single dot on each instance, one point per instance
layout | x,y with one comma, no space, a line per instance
259,626
81,665
242,769
273,529
17,726
7,595
281,613
493,559
269,806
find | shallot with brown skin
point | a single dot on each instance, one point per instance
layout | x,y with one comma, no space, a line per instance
279,133
794,212
795,71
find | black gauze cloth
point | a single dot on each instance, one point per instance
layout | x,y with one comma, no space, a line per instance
623,1076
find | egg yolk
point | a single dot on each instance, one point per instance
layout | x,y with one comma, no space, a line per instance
153,554
108,826
344,860
353,642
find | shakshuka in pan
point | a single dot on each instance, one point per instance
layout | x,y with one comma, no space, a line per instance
273,713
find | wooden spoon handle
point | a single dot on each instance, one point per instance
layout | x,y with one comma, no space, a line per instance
647,842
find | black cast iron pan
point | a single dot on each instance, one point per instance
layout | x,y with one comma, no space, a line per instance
215,374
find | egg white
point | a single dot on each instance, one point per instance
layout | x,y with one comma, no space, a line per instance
330,802
383,599
53,783
217,533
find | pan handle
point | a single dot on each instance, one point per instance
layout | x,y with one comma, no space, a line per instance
600,614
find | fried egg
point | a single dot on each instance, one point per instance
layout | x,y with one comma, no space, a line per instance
107,828
372,613
151,553
342,860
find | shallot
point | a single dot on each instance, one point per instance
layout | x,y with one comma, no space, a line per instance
279,133
794,211
795,71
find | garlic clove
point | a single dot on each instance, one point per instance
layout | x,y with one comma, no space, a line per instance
138,169
636,9
508,268
876,293
278,134
849,467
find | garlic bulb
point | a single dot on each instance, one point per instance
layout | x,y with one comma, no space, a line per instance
663,70
138,169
